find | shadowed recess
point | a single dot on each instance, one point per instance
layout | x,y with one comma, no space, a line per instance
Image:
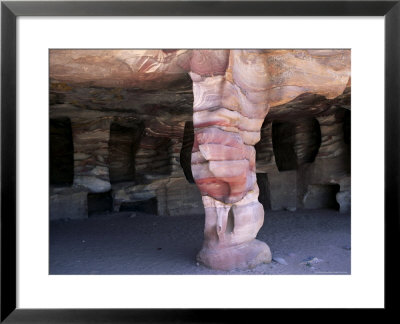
148,206
322,196
283,141
186,151
99,203
61,152
230,223
264,196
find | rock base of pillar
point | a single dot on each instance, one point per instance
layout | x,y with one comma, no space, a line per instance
244,256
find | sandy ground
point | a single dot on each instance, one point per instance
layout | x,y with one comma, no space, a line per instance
302,242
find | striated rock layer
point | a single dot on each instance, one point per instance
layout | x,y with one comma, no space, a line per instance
138,103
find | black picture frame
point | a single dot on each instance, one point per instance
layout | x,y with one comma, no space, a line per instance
11,10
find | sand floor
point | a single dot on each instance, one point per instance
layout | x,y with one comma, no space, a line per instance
302,242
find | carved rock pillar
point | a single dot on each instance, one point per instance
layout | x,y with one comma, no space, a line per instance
230,105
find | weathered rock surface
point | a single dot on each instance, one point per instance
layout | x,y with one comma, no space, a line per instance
229,110
172,196
91,153
131,113
144,69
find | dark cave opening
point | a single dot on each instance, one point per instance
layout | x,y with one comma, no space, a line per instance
322,196
186,151
99,203
295,143
283,142
148,206
264,191
61,152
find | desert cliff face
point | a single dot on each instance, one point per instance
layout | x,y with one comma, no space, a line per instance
225,132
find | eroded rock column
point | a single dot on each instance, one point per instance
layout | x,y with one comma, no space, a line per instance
229,108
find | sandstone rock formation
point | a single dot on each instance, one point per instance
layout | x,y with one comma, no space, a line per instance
136,114
233,91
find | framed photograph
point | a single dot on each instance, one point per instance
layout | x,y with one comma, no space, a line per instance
176,160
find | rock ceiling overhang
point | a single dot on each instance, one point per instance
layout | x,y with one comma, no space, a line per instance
297,81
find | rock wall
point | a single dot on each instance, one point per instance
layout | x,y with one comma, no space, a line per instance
320,155
91,153
125,139
128,142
